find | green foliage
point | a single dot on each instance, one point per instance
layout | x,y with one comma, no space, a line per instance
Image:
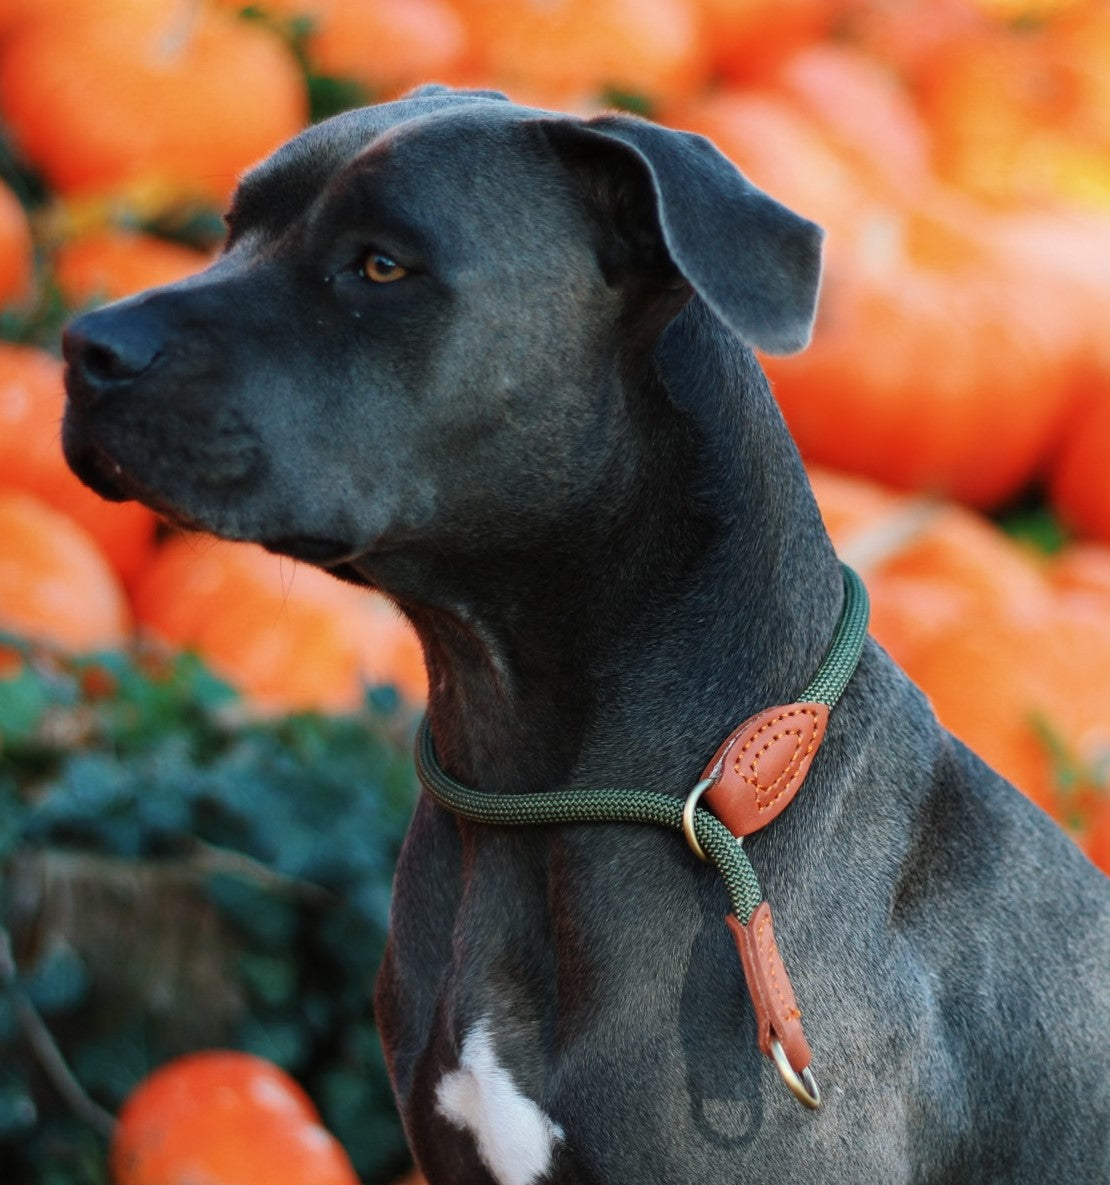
1074,780
328,95
40,322
631,101
193,224
20,177
296,823
1031,521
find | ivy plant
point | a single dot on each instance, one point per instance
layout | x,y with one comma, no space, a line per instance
294,825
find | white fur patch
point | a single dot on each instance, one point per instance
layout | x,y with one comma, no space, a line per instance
515,1138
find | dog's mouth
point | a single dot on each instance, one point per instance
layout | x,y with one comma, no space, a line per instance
97,468
102,472
312,550
105,475
110,480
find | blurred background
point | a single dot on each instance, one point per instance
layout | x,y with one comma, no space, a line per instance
204,772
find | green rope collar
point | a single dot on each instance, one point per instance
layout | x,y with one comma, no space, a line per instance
612,805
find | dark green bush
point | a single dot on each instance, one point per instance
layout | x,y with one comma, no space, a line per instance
289,827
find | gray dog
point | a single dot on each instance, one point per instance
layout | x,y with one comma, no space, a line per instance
496,363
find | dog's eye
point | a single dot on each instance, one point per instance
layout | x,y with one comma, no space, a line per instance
381,268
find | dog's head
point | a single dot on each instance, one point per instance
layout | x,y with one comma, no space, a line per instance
422,323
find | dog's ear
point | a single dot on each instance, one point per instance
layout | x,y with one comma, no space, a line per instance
753,261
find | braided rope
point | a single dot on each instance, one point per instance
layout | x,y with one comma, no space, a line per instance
840,663
608,805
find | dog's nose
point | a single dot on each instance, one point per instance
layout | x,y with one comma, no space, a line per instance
106,350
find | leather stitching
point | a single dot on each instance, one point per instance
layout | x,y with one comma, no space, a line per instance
790,770
772,960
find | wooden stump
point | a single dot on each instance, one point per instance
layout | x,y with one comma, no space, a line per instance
153,944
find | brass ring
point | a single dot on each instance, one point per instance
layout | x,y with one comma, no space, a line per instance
805,1088
688,817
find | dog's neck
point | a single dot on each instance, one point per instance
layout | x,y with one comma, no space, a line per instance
544,663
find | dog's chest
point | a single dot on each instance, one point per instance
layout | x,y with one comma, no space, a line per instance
480,1099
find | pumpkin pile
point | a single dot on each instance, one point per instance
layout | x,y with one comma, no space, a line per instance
956,151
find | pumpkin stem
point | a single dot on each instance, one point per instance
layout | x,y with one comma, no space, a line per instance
870,547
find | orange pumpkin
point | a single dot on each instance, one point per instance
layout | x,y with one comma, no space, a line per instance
563,51
865,113
930,567
224,1118
1026,695
1081,572
169,95
1065,254
1078,485
949,341
55,585
936,364
17,13
1098,837
288,635
110,263
387,45
1014,665
746,39
983,688
911,35
1024,113
32,400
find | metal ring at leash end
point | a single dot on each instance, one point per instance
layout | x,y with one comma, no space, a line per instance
688,809
804,1088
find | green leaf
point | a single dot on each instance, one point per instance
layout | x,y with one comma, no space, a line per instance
111,1065
9,1021
625,100
93,801
254,909
23,701
40,323
13,815
59,1150
1035,525
282,1040
59,981
271,980
18,1113
328,96
352,1108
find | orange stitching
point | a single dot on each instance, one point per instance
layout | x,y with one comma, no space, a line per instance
771,952
790,770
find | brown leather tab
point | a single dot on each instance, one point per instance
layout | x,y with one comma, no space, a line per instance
758,769
776,1011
